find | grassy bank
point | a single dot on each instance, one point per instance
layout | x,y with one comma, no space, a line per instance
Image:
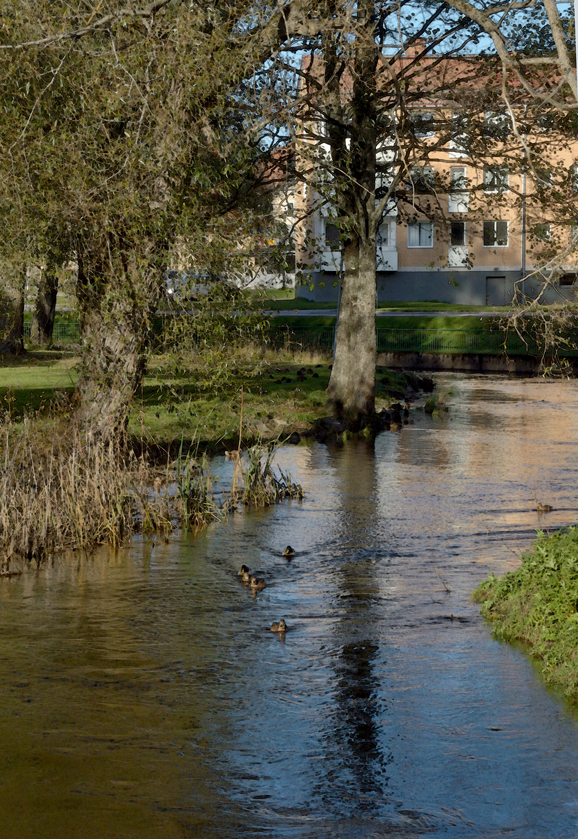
267,394
409,321
267,399
61,489
538,606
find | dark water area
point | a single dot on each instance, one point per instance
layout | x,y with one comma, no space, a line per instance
144,695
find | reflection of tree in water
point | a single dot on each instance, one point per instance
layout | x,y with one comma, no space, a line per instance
354,768
359,711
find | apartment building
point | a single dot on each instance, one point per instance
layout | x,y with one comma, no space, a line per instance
480,210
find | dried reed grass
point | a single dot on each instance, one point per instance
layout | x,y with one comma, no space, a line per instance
74,491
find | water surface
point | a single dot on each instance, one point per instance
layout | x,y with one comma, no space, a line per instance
144,695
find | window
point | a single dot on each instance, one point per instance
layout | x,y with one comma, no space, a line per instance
496,179
568,279
574,177
383,236
421,179
420,234
543,120
543,178
497,125
459,198
542,232
458,145
423,125
457,233
332,236
495,234
458,180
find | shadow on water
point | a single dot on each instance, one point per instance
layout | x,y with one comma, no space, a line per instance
143,693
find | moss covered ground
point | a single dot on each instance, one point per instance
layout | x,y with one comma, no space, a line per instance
538,606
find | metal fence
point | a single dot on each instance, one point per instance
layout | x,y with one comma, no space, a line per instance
61,333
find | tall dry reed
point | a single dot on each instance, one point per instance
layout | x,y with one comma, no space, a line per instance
69,491
74,491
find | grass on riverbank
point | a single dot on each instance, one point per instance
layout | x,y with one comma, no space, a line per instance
270,395
538,606
277,392
409,321
59,489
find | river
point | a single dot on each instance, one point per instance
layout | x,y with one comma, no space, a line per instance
143,694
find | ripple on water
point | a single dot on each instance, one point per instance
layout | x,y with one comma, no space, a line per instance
144,693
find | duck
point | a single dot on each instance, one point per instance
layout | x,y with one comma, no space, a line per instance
543,508
289,551
279,626
244,573
256,583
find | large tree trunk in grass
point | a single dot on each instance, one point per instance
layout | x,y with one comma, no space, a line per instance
116,309
45,309
351,387
12,315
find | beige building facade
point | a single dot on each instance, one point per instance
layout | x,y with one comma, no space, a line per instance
480,214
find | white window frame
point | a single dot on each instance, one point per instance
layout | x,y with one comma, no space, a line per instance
545,234
383,235
496,179
331,244
425,135
421,175
459,196
458,144
498,122
495,222
461,244
425,234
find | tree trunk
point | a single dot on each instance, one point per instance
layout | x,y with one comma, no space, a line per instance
351,389
45,309
14,293
116,307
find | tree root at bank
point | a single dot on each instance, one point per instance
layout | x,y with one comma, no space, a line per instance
538,606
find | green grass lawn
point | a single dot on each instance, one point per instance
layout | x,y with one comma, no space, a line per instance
30,383
268,395
296,304
436,306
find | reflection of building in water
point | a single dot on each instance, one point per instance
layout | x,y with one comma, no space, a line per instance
499,432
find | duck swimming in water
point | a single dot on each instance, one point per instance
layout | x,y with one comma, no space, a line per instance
289,552
245,574
279,626
256,583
